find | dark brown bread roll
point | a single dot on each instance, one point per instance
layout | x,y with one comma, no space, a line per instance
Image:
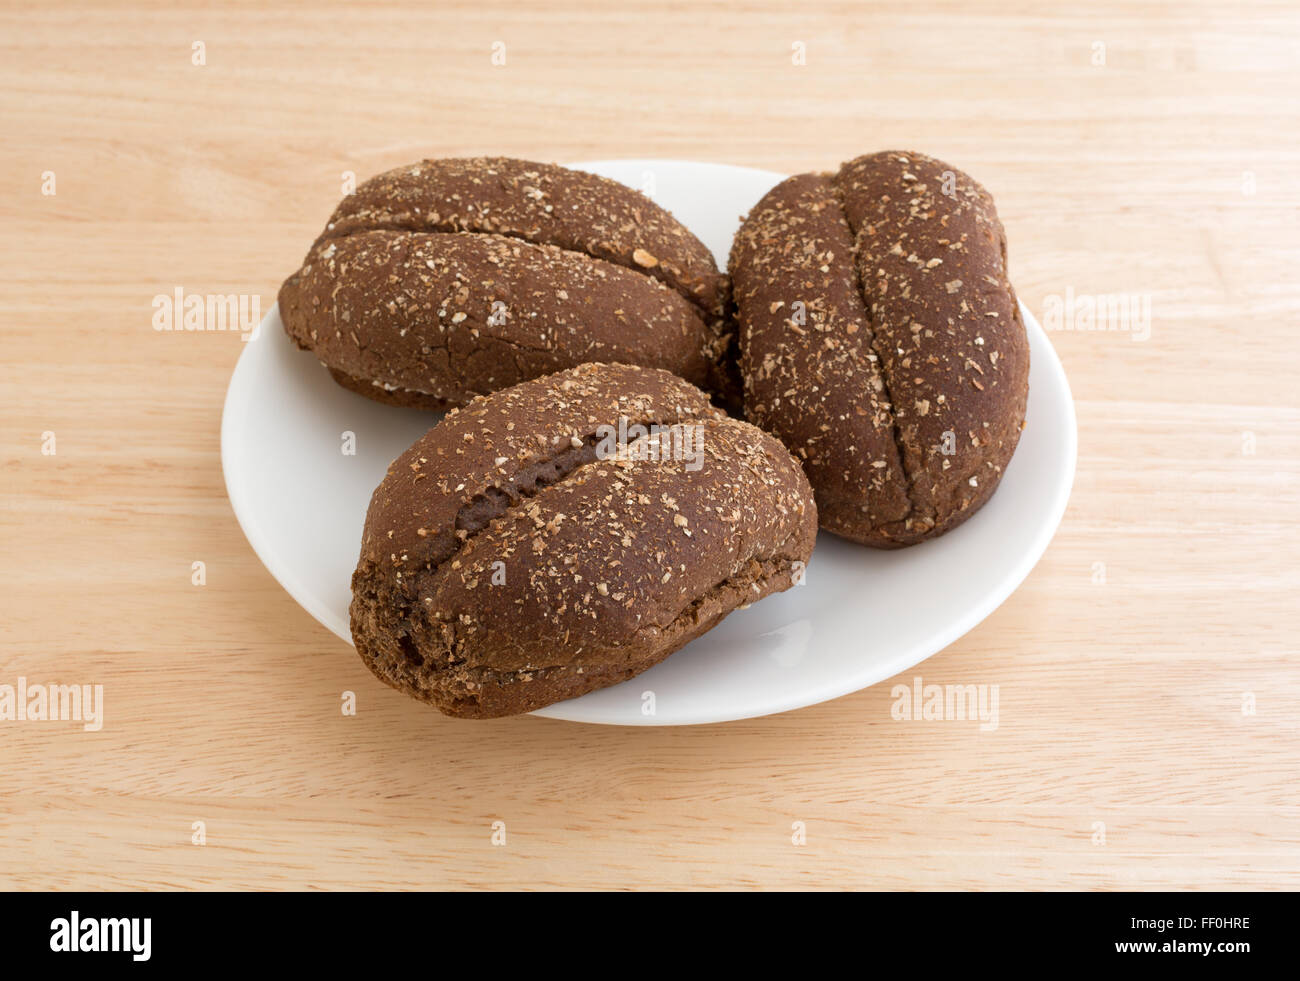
881,341
511,560
447,279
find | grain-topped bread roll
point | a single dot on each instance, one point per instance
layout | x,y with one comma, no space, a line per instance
881,341
447,279
521,552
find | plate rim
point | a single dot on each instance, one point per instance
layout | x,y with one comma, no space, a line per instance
231,412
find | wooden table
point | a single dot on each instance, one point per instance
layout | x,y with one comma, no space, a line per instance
1143,149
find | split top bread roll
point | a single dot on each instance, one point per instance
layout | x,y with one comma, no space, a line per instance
535,545
447,279
881,341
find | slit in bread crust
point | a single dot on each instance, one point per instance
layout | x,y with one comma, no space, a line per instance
710,318
899,444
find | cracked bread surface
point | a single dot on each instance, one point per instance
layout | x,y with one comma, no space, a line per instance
507,564
545,204
881,341
453,278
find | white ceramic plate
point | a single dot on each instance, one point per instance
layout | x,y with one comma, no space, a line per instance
862,616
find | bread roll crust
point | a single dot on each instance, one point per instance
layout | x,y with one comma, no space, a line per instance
506,564
900,380
540,203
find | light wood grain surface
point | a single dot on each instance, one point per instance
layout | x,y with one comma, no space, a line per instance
1167,601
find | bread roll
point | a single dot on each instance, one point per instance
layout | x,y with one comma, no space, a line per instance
881,341
514,556
448,279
